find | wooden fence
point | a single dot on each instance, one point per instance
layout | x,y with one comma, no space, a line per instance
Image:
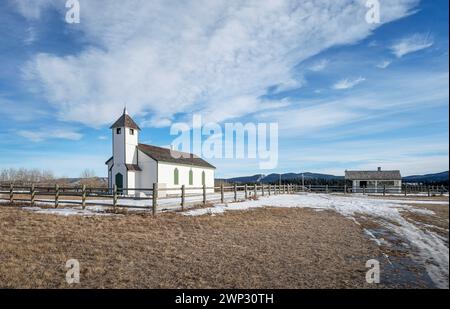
179,198
56,195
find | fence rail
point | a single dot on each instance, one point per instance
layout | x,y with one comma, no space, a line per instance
179,198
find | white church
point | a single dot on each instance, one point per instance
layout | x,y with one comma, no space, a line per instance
137,166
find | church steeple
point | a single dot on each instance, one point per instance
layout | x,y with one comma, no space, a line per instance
125,139
125,121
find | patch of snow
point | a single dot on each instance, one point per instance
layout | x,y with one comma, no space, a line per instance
66,211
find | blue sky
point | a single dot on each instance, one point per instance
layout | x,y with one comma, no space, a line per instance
346,94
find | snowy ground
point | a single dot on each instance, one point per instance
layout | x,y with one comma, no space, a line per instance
432,249
164,204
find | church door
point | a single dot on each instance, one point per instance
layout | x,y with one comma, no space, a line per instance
119,182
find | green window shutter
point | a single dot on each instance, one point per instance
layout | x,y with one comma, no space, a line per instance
203,178
191,178
175,176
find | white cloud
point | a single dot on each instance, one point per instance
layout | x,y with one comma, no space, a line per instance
411,44
39,136
31,36
348,83
156,122
33,9
384,64
19,110
197,55
371,108
320,65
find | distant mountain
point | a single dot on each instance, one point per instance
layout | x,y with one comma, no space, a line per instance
287,176
428,178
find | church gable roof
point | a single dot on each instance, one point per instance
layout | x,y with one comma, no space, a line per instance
125,121
165,155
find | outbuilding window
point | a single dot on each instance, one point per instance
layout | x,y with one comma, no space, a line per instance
131,131
118,130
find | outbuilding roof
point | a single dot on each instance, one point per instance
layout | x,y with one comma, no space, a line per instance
173,156
373,175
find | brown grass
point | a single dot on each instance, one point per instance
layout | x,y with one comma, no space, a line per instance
262,248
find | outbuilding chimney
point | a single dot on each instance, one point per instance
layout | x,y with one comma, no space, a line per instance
379,169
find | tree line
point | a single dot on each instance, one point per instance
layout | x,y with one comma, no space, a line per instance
27,176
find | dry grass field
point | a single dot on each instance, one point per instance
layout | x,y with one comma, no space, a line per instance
258,248
264,248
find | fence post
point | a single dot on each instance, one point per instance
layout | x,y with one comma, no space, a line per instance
115,197
345,189
11,193
364,190
309,188
269,188
326,188
262,189
183,192
235,192
406,190
221,193
56,196
154,198
384,190
245,189
204,194
255,190
442,190
32,194
83,197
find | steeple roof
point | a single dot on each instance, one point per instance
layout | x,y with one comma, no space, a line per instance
125,121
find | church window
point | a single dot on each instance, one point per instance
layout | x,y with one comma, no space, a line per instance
191,178
175,176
